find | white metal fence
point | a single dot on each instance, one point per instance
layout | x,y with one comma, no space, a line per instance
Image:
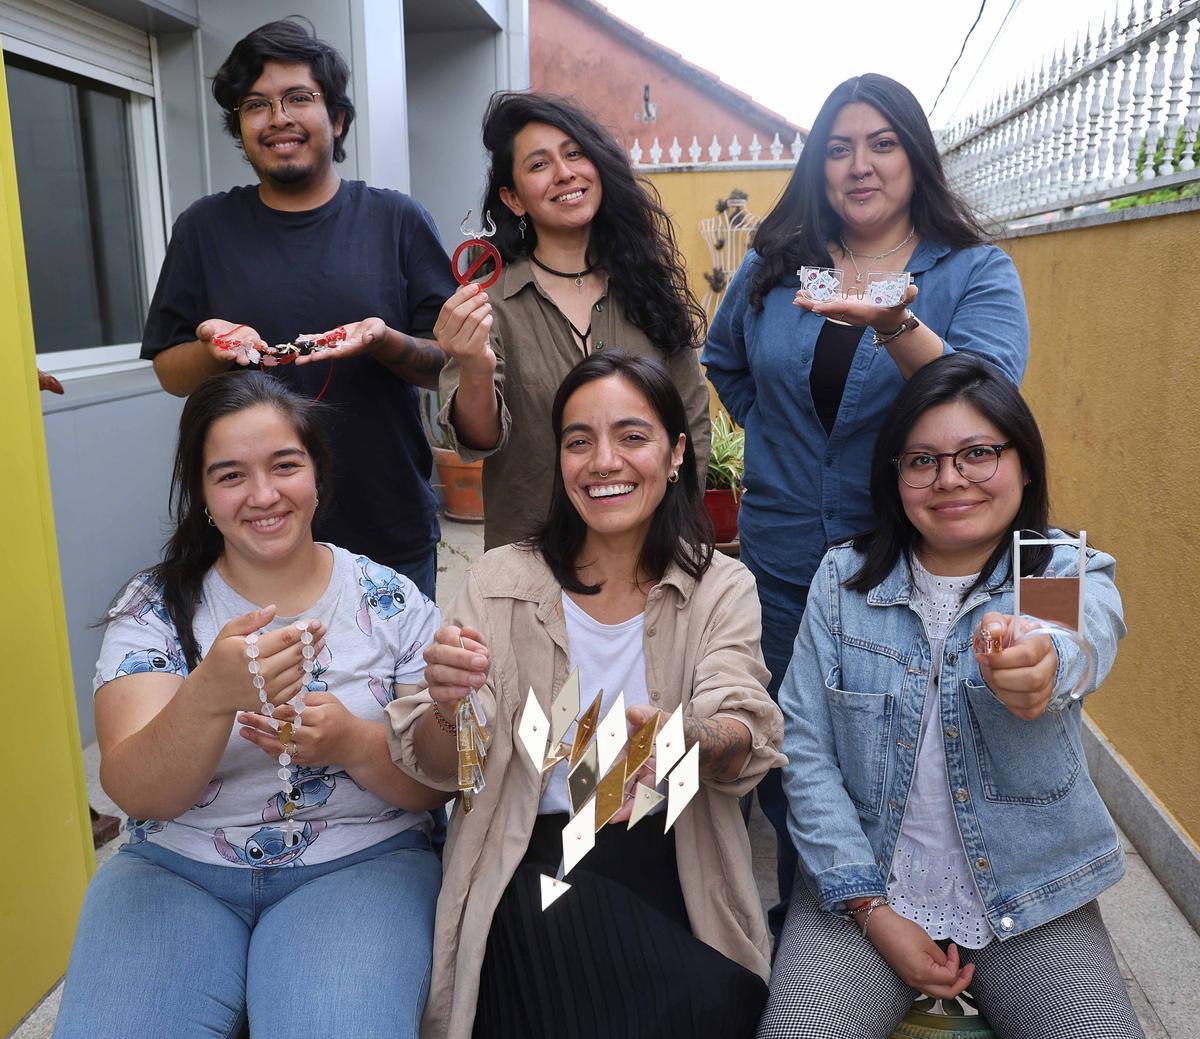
776,154
1116,116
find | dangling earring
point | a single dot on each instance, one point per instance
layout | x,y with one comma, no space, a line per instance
674,477
209,515
521,225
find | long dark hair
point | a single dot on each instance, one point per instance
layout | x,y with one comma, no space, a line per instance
680,531
286,40
632,237
797,231
195,544
977,382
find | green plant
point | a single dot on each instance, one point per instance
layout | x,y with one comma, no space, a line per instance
727,458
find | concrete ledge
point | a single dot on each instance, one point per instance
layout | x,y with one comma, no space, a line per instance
1097,219
1171,854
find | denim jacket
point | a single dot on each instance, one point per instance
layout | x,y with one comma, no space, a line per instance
806,489
1037,837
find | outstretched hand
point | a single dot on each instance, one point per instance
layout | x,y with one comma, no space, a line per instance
225,668
456,661
361,337
854,310
635,717
1021,672
328,734
228,342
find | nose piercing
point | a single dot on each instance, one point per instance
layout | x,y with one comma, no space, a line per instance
604,476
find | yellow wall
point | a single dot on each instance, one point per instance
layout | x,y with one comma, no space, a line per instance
46,853
691,196
1114,380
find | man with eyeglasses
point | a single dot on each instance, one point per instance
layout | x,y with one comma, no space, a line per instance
302,252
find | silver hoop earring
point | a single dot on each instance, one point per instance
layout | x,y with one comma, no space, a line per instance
521,227
674,477
209,515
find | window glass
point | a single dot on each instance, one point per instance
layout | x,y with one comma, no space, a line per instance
75,177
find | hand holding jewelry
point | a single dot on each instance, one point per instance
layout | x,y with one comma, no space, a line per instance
287,730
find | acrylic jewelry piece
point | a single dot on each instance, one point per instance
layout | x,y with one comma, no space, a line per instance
286,732
887,288
475,263
821,284
471,736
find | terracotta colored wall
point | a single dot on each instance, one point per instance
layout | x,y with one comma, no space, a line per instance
570,54
1115,386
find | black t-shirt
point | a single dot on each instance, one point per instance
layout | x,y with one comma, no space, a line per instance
368,252
833,356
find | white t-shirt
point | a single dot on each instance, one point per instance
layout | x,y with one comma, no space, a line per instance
609,657
377,623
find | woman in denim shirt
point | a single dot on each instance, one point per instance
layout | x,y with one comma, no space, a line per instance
809,382
949,834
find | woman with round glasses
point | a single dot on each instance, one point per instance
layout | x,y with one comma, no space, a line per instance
591,265
949,835
812,381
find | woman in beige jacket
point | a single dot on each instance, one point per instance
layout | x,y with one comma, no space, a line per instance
660,933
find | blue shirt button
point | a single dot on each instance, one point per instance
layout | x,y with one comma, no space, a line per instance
829,513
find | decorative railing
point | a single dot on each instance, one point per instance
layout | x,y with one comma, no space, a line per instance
1116,116
710,157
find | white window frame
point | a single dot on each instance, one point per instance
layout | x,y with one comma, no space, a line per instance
146,140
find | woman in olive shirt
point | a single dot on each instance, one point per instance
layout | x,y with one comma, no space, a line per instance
590,264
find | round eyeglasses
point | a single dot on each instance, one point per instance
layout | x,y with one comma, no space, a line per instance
977,464
257,110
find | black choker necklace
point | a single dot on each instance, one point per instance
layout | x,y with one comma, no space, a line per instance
577,276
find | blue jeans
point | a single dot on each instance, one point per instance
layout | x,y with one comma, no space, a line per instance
782,608
421,570
167,946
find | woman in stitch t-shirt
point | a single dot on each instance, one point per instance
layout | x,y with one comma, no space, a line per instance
246,845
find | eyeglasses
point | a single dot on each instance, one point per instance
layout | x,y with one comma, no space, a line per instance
977,464
257,110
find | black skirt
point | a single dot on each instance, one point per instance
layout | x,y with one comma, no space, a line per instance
614,957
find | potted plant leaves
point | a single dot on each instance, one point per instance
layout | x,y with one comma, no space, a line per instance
723,481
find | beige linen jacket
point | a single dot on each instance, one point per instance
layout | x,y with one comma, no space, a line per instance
534,352
701,646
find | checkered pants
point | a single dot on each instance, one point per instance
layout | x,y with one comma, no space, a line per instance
1058,981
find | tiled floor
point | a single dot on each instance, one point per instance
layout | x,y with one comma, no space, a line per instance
1157,949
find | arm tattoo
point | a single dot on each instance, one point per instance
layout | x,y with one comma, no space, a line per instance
722,748
415,360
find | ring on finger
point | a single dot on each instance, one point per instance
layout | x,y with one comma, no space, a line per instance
293,751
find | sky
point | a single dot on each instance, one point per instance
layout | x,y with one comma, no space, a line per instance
789,54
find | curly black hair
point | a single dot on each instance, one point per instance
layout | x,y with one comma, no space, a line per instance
632,237
287,40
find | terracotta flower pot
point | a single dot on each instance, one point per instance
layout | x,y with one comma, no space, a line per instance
462,486
722,509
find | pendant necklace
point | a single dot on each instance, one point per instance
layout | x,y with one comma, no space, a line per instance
858,276
578,276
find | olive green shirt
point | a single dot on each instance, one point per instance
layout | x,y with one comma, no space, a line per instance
535,349
701,646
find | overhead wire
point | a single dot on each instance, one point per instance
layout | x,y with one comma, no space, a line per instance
982,61
961,51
